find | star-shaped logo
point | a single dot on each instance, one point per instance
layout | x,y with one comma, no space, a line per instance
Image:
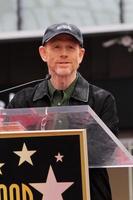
59,157
1,164
51,189
25,155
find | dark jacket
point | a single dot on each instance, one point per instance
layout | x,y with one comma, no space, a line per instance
101,101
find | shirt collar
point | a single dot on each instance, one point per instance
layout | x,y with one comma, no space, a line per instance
67,92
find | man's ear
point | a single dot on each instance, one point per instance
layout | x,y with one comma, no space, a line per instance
81,54
42,52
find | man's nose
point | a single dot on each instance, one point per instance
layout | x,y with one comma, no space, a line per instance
64,52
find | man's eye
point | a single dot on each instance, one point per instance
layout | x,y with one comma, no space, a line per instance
71,47
56,46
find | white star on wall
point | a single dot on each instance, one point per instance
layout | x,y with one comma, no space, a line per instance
59,157
1,164
25,155
51,189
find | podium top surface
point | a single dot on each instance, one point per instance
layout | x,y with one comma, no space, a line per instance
104,149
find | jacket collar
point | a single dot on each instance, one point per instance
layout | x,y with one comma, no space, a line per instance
80,93
41,90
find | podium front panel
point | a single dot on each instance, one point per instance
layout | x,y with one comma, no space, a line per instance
44,165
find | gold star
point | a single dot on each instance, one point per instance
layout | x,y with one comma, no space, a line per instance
25,155
1,164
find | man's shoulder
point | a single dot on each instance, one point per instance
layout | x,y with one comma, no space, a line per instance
25,96
98,91
21,98
94,88
29,91
94,92
99,98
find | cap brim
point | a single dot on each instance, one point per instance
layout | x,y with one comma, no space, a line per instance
62,32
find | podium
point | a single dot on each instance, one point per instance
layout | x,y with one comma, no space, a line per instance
46,152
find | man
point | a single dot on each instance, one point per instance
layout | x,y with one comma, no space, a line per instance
62,50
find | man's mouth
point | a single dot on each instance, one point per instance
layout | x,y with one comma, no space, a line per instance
63,63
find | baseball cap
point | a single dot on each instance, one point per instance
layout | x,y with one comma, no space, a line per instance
61,28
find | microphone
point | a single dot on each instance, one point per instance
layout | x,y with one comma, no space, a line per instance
48,77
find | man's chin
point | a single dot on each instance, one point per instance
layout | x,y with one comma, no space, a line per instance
63,72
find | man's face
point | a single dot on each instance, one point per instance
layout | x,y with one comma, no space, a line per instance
63,55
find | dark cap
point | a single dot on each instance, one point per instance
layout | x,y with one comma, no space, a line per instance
61,28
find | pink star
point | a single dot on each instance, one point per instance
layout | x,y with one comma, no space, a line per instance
59,157
51,189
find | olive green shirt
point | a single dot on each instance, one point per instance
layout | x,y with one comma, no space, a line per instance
60,97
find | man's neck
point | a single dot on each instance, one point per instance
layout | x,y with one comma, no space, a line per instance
62,82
